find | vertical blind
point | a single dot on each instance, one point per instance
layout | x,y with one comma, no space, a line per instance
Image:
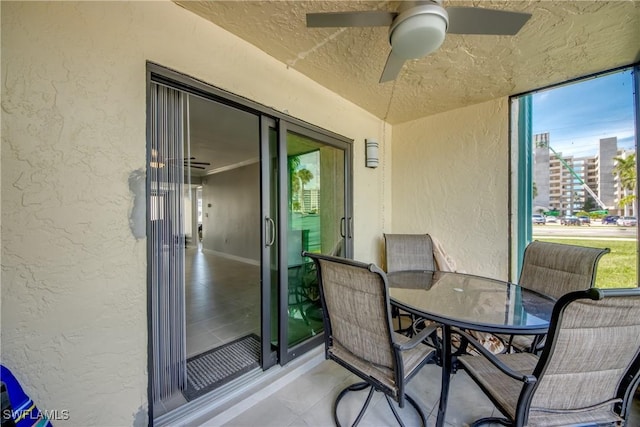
167,240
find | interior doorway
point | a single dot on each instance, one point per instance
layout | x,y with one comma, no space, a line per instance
223,289
222,265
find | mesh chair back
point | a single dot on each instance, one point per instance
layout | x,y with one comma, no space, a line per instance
356,303
556,269
409,252
591,348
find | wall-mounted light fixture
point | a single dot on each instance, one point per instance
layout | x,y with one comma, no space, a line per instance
371,153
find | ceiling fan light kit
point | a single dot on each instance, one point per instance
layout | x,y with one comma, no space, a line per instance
418,31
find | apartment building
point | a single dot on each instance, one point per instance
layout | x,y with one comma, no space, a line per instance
311,200
569,183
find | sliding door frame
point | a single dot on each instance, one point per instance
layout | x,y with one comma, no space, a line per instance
269,118
268,237
286,354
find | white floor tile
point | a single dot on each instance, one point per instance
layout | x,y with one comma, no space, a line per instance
308,401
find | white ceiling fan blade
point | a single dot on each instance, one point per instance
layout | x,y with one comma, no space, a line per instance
473,20
350,19
392,67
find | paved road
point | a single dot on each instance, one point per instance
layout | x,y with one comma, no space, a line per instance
595,231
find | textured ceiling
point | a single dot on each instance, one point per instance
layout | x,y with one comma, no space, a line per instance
562,40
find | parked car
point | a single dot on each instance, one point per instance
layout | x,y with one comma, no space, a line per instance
627,221
584,220
610,219
537,219
551,219
570,220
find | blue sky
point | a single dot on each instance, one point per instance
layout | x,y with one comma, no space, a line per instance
578,115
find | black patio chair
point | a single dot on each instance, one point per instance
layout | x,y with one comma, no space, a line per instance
359,334
404,252
554,269
586,374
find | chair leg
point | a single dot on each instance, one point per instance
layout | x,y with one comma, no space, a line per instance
413,403
343,393
363,386
503,421
397,314
393,409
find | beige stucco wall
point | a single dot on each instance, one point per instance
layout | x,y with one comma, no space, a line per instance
450,179
73,129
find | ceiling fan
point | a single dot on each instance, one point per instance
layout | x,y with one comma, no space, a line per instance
419,28
157,161
189,162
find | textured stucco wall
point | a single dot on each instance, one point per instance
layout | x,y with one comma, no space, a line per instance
450,179
73,131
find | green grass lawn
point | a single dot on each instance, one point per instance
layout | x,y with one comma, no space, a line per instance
616,269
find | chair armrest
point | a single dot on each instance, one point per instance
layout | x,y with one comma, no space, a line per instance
417,339
494,360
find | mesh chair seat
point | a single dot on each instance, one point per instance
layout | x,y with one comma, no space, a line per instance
506,389
411,359
520,342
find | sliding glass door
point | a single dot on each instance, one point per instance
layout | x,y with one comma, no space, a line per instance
232,272
314,184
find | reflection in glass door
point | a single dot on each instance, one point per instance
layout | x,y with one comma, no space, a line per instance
316,220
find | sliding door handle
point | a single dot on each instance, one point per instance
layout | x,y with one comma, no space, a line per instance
350,227
269,231
342,224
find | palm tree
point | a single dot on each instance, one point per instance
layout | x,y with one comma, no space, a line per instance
625,169
304,176
293,163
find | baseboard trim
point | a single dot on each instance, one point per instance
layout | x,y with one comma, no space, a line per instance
232,257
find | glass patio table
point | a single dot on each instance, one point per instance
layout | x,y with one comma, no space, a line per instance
468,302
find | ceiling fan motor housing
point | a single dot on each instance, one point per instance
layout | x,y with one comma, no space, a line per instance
418,31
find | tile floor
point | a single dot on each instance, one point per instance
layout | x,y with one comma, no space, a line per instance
307,402
222,300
